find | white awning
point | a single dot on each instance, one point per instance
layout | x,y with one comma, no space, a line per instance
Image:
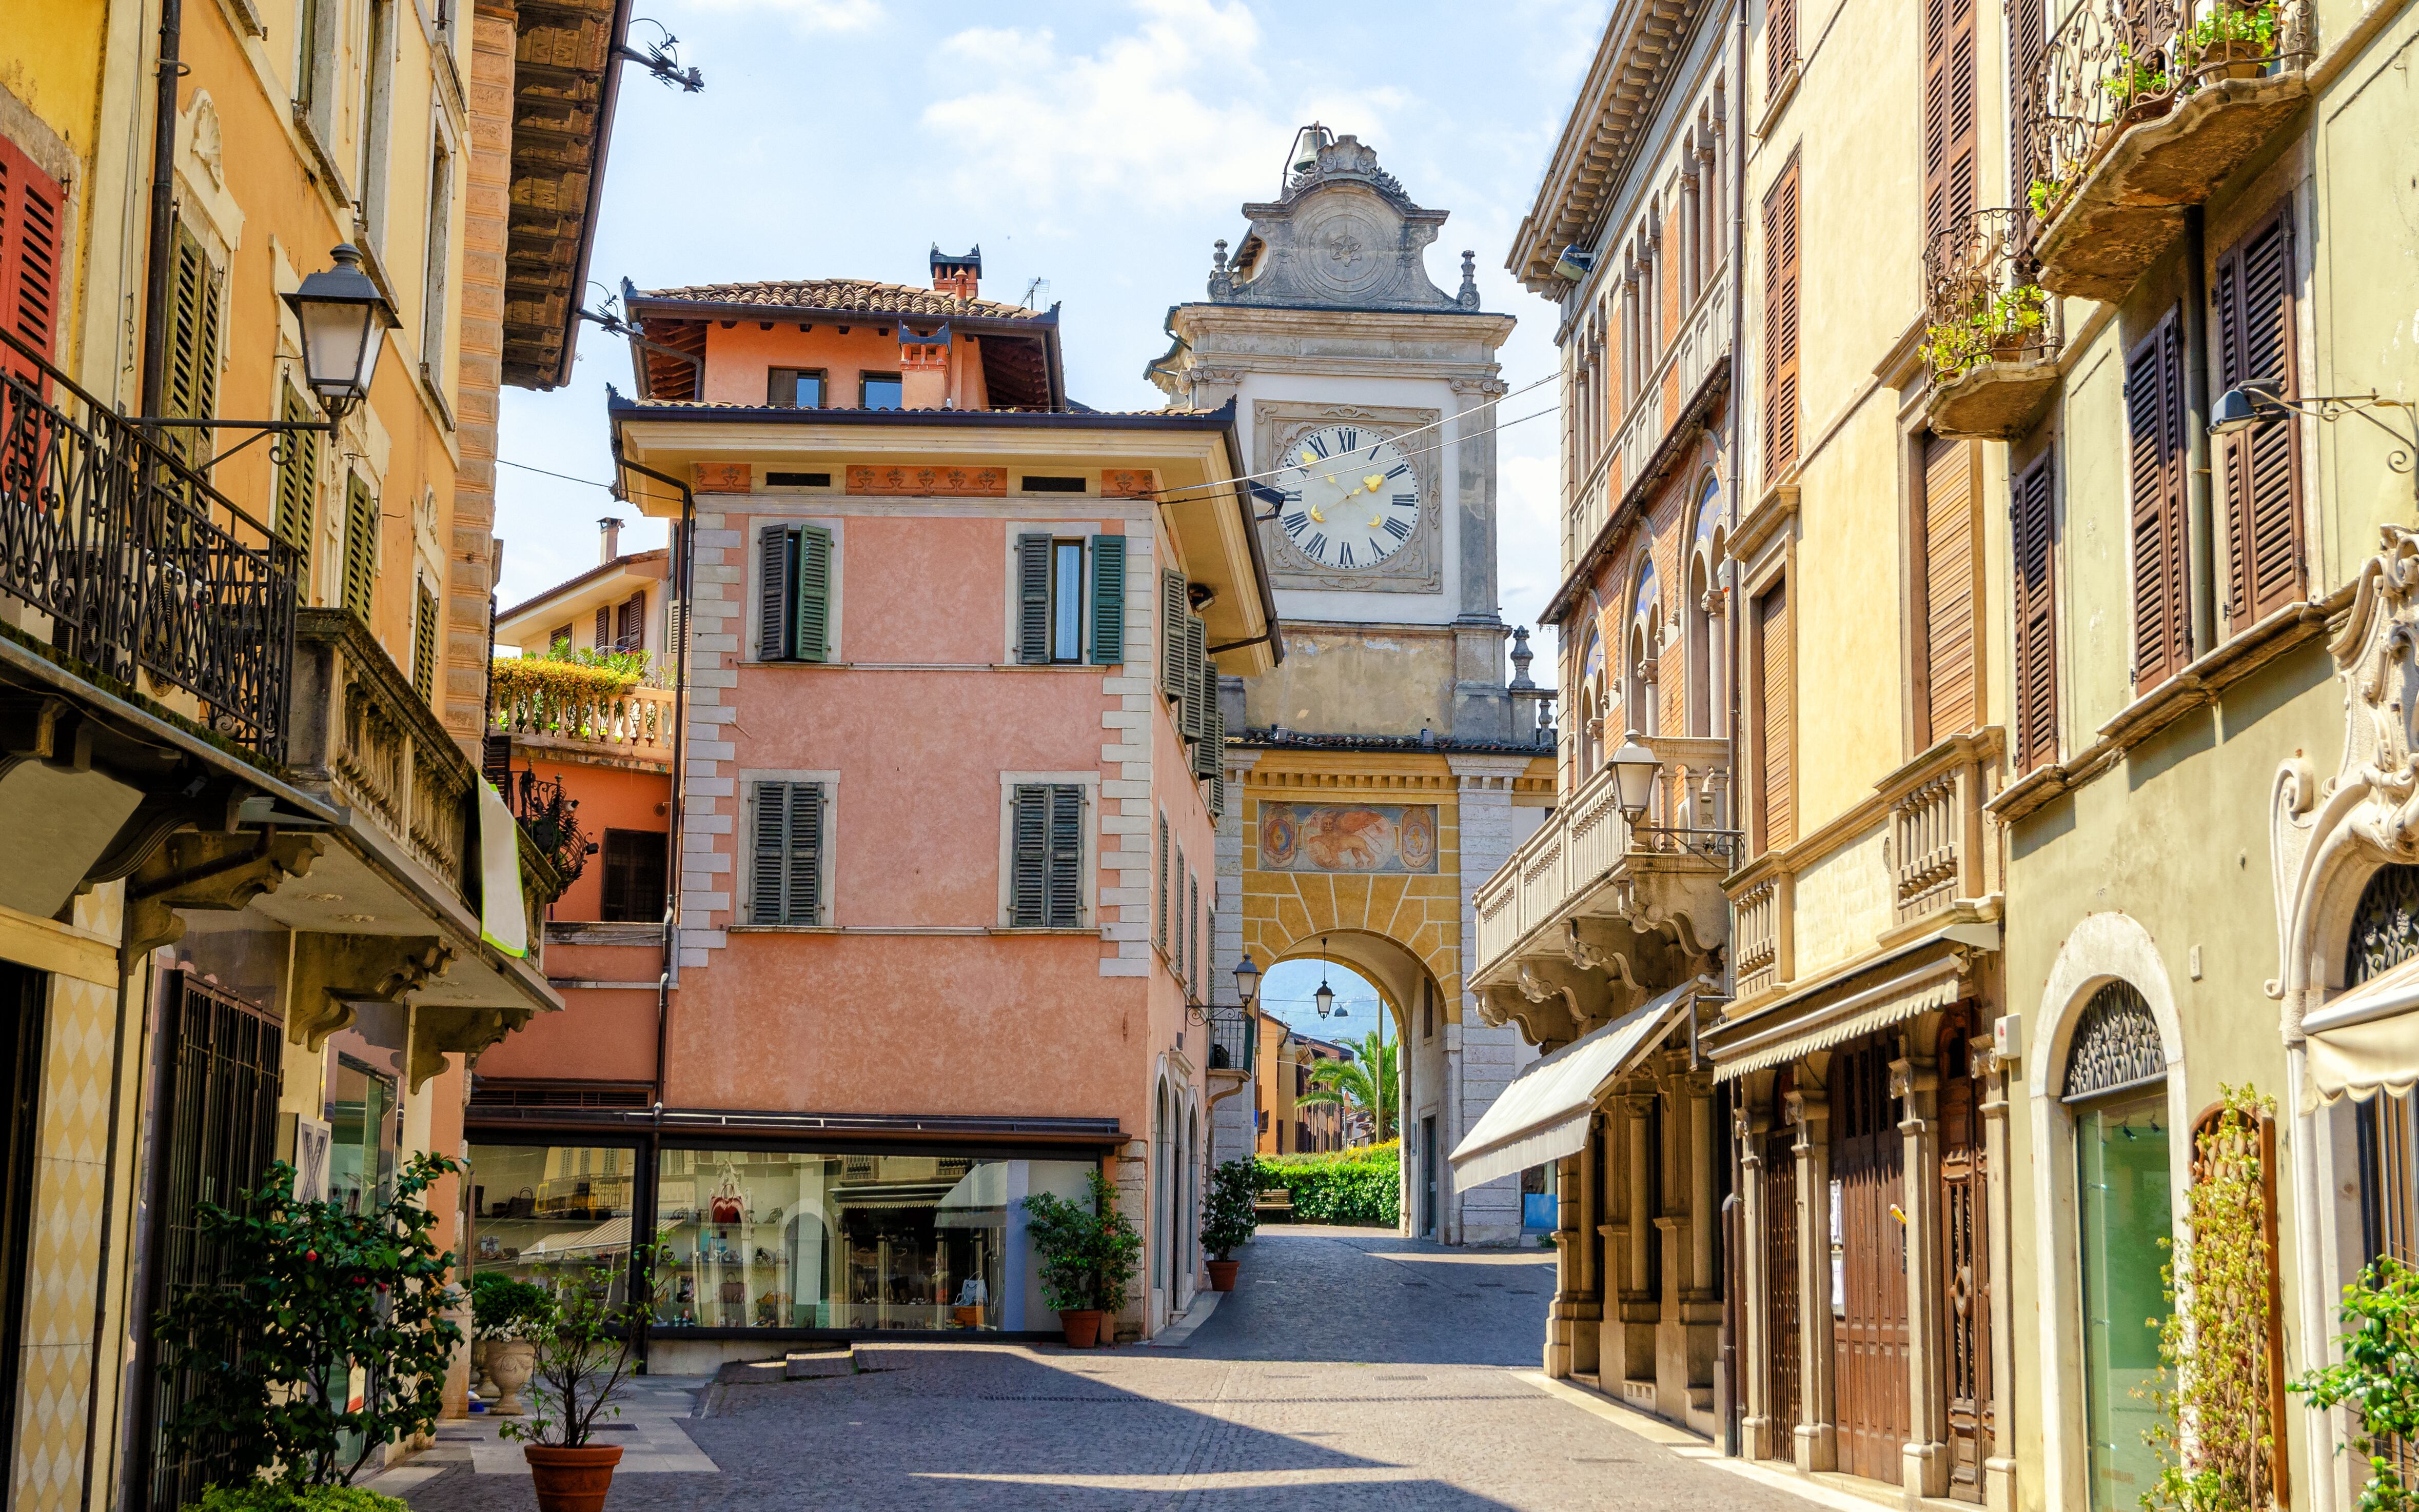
1781,1031
1543,1115
2364,1040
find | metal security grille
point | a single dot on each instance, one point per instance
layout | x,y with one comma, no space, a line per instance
221,1117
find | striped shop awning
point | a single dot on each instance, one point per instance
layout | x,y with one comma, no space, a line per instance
1543,1115
1921,977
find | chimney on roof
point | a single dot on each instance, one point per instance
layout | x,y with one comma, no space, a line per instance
611,528
958,276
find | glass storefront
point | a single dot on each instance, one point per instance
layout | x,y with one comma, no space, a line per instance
778,1239
362,1134
2123,1221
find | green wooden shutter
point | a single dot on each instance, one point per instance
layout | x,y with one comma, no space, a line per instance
298,486
776,592
1209,755
1176,913
1173,612
813,624
1196,646
1218,785
769,874
1028,881
424,643
193,377
1159,926
360,547
1066,856
1108,600
805,900
1033,599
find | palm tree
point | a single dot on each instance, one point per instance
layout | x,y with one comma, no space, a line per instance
1347,1083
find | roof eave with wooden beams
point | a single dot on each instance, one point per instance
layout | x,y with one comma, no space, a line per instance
564,82
1634,61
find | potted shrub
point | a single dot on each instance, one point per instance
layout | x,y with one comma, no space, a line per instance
1089,1257
583,1345
315,1296
280,1496
501,1311
1227,1222
2231,41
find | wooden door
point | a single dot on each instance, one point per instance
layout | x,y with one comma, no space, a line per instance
1869,1314
1781,1330
1965,1263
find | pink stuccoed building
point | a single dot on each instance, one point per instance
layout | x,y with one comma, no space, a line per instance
946,651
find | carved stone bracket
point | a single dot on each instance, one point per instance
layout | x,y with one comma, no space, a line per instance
331,972
217,872
439,1030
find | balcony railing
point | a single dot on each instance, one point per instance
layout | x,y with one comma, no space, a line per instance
552,821
1699,342
2114,64
139,564
637,723
1981,302
1589,836
1234,1035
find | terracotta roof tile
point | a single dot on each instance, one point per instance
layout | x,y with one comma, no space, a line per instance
846,293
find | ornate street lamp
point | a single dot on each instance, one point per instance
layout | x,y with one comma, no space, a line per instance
2247,405
345,321
1634,771
1247,981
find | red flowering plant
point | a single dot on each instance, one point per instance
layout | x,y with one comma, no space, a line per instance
316,1301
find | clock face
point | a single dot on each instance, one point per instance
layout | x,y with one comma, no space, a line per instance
1351,497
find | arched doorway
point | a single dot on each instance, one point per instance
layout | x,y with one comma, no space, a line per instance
2115,1088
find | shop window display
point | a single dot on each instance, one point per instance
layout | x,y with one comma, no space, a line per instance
784,1239
547,1213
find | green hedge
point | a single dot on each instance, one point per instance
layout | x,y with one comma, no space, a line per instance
1361,1185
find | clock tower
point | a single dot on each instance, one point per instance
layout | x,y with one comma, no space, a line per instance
1384,767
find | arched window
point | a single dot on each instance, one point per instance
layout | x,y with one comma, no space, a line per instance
1702,614
2385,934
1592,709
1645,645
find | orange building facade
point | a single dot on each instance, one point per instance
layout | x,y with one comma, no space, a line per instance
945,847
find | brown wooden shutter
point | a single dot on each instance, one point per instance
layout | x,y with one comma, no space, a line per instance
2154,423
29,258
2036,615
2027,41
1775,721
2259,470
1780,44
629,624
1947,588
603,639
1948,114
1780,324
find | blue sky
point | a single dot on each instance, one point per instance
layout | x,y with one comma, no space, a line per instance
1285,993
1100,146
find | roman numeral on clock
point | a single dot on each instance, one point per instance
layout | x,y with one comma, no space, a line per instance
1317,545
1399,529
1343,554
1348,439
1398,469
1316,446
1294,523
1404,501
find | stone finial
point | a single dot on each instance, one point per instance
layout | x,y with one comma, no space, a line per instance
1222,277
1468,297
1521,657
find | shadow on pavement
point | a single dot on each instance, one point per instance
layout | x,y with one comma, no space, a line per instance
1339,1294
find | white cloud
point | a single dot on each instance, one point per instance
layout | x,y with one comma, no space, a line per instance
1172,112
810,15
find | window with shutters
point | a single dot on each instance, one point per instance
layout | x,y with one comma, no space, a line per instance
787,879
1046,854
424,643
2257,471
29,259
797,573
2034,607
558,641
1780,325
436,260
1070,599
1950,114
1775,723
630,623
795,388
1159,917
1779,47
196,307
2028,38
1944,617
360,547
634,876
297,483
2154,427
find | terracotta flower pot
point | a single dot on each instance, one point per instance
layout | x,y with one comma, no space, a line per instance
2234,58
1083,1326
511,1361
572,1480
1221,1274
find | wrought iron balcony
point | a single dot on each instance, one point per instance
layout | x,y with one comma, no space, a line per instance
1234,1039
2138,108
136,562
552,822
1991,333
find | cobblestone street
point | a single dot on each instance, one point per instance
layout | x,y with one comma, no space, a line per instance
1349,1371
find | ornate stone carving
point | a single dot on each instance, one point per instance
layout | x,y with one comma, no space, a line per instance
439,1030
217,872
1345,234
331,972
1418,566
2115,1044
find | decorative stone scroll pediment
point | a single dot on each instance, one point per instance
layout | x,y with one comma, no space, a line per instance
1344,234
2328,835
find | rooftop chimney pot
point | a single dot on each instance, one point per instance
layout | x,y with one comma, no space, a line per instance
611,529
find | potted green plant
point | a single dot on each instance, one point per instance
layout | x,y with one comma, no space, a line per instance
2231,41
2378,1378
1089,1257
1227,1222
317,1297
280,1496
2138,91
501,1310
582,1344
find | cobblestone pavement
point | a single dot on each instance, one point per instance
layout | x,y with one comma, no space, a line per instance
1350,1371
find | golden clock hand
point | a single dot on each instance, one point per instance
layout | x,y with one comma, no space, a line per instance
1372,482
1376,523
1315,515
